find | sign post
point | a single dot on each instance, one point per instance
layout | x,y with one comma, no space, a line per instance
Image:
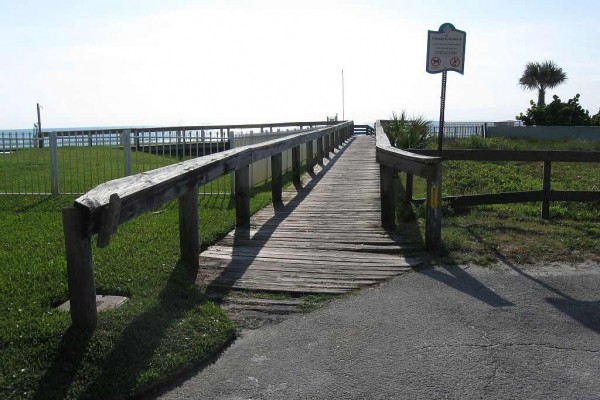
445,52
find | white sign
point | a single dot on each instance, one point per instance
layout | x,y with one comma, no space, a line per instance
446,50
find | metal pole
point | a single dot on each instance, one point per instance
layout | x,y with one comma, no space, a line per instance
442,109
40,134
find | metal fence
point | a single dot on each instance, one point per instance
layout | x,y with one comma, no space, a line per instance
73,162
466,129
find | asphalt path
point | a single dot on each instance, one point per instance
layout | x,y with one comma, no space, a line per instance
445,332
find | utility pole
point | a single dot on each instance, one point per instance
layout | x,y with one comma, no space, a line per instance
39,126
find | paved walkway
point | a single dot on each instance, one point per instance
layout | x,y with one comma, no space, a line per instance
440,333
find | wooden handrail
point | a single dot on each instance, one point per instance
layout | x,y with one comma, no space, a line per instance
104,208
516,155
392,159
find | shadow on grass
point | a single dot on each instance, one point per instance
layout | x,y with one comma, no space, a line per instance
60,376
131,354
449,273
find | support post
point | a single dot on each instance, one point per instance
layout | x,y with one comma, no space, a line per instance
442,111
231,136
276,180
53,164
546,190
433,211
189,238
80,270
242,196
332,143
310,159
296,166
326,145
388,205
320,151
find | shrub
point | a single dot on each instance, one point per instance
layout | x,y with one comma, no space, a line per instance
405,133
557,113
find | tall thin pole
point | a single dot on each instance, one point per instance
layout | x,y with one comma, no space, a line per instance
39,124
343,99
442,110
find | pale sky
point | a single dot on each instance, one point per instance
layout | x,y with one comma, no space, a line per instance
175,62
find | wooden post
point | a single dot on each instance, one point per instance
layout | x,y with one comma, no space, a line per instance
331,143
326,145
433,211
242,196
296,165
276,182
320,151
189,238
310,159
80,270
408,192
546,189
388,205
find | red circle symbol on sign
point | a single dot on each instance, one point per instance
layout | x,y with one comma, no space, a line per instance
455,62
435,61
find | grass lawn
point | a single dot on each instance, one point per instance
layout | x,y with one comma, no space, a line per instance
167,325
516,232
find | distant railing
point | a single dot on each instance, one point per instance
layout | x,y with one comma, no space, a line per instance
74,161
364,130
101,210
392,159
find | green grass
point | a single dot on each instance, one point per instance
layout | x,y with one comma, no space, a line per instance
80,168
516,232
166,325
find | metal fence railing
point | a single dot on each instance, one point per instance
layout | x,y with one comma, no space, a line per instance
75,161
466,129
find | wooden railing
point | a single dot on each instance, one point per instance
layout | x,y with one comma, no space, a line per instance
545,195
101,210
390,160
363,130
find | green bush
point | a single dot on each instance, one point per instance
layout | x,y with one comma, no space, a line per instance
405,133
557,113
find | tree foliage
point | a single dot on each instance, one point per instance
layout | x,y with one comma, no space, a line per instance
408,133
596,119
542,76
557,113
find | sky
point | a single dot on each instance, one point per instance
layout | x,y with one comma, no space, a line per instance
177,63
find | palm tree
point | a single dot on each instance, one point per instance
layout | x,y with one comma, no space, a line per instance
542,76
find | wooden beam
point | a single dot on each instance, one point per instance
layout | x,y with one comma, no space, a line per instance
310,158
80,270
388,204
296,166
320,151
242,196
276,182
433,212
515,155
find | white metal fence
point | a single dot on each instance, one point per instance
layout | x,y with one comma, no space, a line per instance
73,162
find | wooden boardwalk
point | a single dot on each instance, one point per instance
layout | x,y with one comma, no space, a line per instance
325,237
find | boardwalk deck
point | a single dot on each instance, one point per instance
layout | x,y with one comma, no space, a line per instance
325,237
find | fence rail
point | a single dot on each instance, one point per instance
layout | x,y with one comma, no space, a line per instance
390,160
102,209
74,161
545,195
